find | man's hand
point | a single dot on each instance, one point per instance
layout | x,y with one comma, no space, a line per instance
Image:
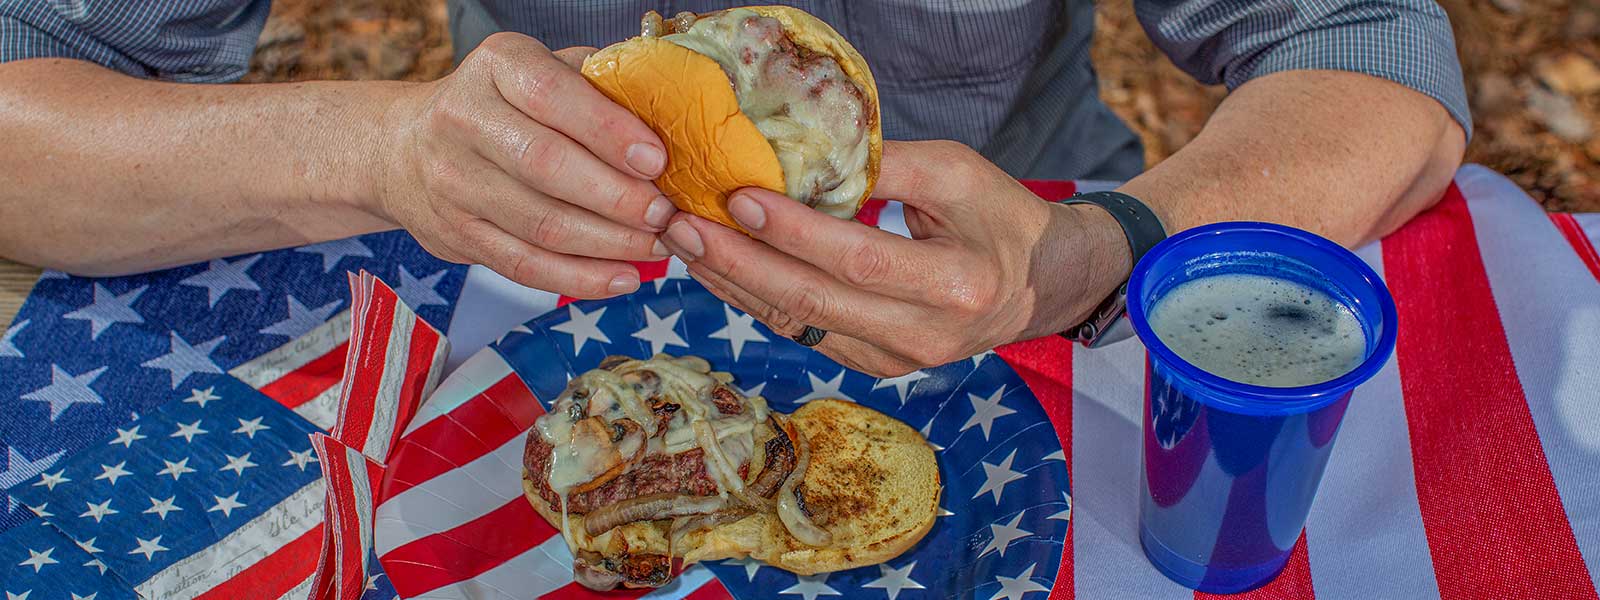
514,161
988,263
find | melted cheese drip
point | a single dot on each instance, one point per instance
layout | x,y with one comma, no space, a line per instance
813,121
612,394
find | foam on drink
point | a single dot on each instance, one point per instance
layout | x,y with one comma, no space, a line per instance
1259,330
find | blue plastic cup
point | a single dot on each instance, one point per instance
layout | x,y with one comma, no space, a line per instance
1230,469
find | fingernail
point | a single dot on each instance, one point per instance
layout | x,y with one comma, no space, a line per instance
646,159
687,239
659,212
747,212
623,284
660,249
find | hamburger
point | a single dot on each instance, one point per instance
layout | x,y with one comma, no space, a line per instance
648,466
761,96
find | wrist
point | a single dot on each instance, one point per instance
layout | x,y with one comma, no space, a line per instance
1085,259
388,154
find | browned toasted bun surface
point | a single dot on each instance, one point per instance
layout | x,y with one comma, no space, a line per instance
715,145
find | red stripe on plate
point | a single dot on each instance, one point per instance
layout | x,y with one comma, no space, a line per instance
486,422
712,590
1495,526
466,551
1045,365
275,575
870,211
573,590
1294,583
299,386
1571,230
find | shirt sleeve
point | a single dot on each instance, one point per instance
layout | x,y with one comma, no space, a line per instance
1230,42
192,41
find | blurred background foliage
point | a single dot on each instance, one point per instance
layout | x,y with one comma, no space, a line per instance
1532,72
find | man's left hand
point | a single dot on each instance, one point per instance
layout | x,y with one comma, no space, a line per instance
988,263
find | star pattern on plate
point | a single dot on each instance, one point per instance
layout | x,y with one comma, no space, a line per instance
300,459
1014,588
99,511
660,331
1066,513
238,464
829,388
1003,535
986,410
184,359
108,309
248,428
676,269
583,327
176,469
996,477
893,580
901,384
810,587
740,330
19,468
222,277
51,480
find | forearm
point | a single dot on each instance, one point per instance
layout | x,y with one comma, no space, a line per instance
1347,156
108,174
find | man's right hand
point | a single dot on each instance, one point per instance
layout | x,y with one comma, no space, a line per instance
515,162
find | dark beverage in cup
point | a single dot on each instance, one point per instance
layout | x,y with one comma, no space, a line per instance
1256,336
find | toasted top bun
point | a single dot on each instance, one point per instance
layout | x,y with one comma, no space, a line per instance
872,483
713,148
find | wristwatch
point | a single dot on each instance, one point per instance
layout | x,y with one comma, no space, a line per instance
1143,230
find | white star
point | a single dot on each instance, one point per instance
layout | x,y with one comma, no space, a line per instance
38,560
986,410
582,327
301,319
98,511
1004,535
751,566
201,397
1060,455
66,389
299,459
183,360
226,505
977,359
1066,513
902,384
176,469
894,580
148,548
995,477
824,389
1014,588
162,507
39,511
237,464
249,428
89,546
336,250
675,270
372,581
96,564
24,595
7,347
111,473
88,597
127,437
108,309
417,293
187,432
811,586
221,277
739,330
943,512
49,481
20,469
754,391
658,331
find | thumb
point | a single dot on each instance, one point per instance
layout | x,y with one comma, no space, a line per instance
575,55
931,176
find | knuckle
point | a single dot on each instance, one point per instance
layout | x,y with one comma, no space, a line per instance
542,156
930,354
805,302
865,264
547,228
972,294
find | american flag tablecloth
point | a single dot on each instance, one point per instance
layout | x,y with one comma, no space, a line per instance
163,434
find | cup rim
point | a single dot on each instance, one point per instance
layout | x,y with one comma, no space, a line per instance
1257,399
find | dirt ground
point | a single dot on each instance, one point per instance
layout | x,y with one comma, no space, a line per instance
1532,67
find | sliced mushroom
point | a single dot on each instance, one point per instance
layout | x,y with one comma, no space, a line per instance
649,508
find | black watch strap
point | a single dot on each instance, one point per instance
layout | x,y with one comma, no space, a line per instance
1143,230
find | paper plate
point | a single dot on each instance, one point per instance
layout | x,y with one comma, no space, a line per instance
1005,503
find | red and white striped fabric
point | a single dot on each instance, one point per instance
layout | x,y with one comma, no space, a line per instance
1465,469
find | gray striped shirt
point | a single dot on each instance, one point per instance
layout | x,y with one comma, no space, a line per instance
1011,78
